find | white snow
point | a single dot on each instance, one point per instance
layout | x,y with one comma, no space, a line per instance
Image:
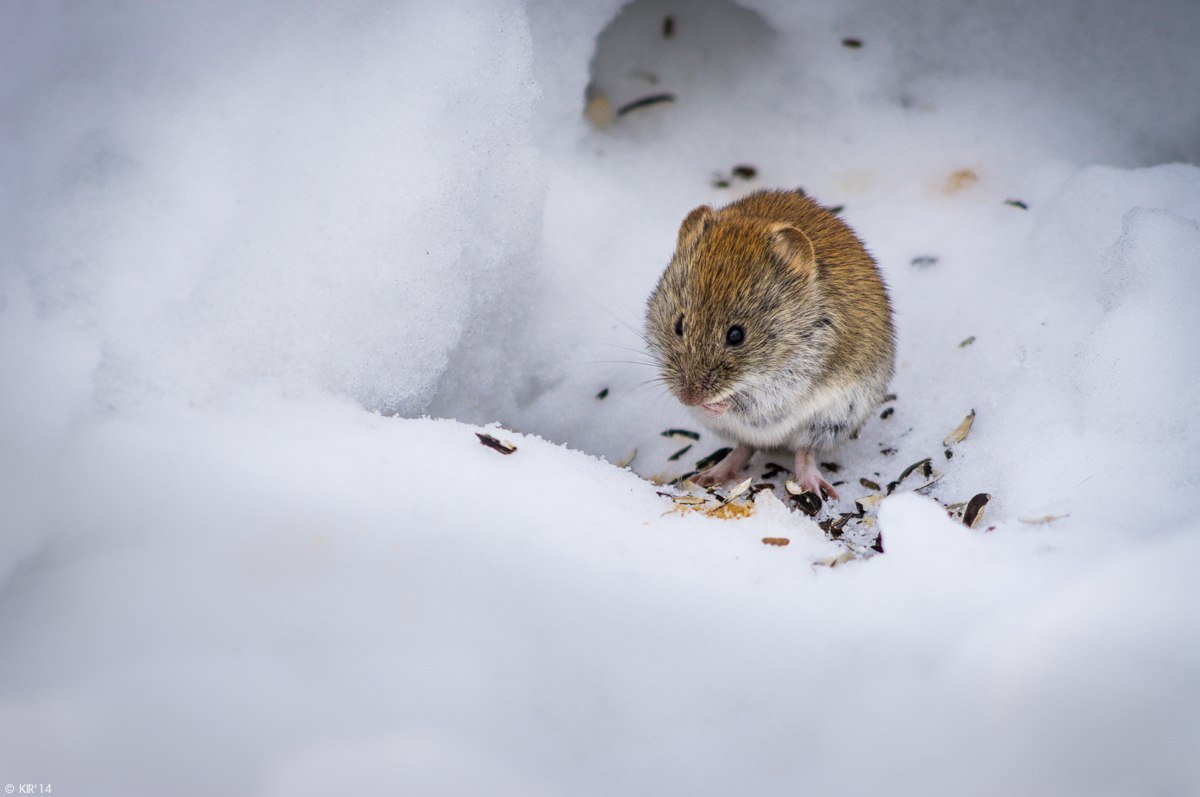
268,268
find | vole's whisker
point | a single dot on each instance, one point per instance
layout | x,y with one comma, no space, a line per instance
623,362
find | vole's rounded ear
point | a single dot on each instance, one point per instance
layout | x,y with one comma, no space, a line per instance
694,226
794,248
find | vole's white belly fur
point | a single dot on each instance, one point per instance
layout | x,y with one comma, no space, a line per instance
819,418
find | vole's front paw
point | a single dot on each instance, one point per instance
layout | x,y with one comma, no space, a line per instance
716,475
820,487
727,470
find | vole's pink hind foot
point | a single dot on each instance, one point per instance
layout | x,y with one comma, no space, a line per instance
727,470
808,475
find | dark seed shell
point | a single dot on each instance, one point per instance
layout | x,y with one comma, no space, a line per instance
924,463
809,503
496,445
713,458
974,510
645,102
680,453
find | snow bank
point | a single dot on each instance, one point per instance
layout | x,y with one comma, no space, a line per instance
231,194
246,247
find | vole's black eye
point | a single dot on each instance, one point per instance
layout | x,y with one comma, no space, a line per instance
679,326
735,336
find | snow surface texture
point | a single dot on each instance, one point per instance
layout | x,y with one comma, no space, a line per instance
246,245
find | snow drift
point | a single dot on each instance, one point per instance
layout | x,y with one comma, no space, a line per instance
247,248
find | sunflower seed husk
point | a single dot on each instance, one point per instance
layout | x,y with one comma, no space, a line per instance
739,489
868,502
713,458
834,561
645,102
503,446
809,503
1043,520
974,510
680,453
961,431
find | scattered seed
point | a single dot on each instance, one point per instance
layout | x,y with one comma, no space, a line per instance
832,467
793,488
681,433
961,431
853,44
503,446
809,503
835,209
625,463
645,102
733,511
1043,520
720,182
870,485
887,452
773,470
889,397
878,544
713,458
744,171
907,471
690,500
599,110
891,487
887,413
835,561
680,453
739,489
924,261
974,510
668,27
1016,203
603,394
867,502
756,489
949,454
777,541
967,342
838,483
957,181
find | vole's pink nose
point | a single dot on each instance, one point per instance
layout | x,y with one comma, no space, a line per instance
691,396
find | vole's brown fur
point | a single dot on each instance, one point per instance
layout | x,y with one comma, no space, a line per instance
818,344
